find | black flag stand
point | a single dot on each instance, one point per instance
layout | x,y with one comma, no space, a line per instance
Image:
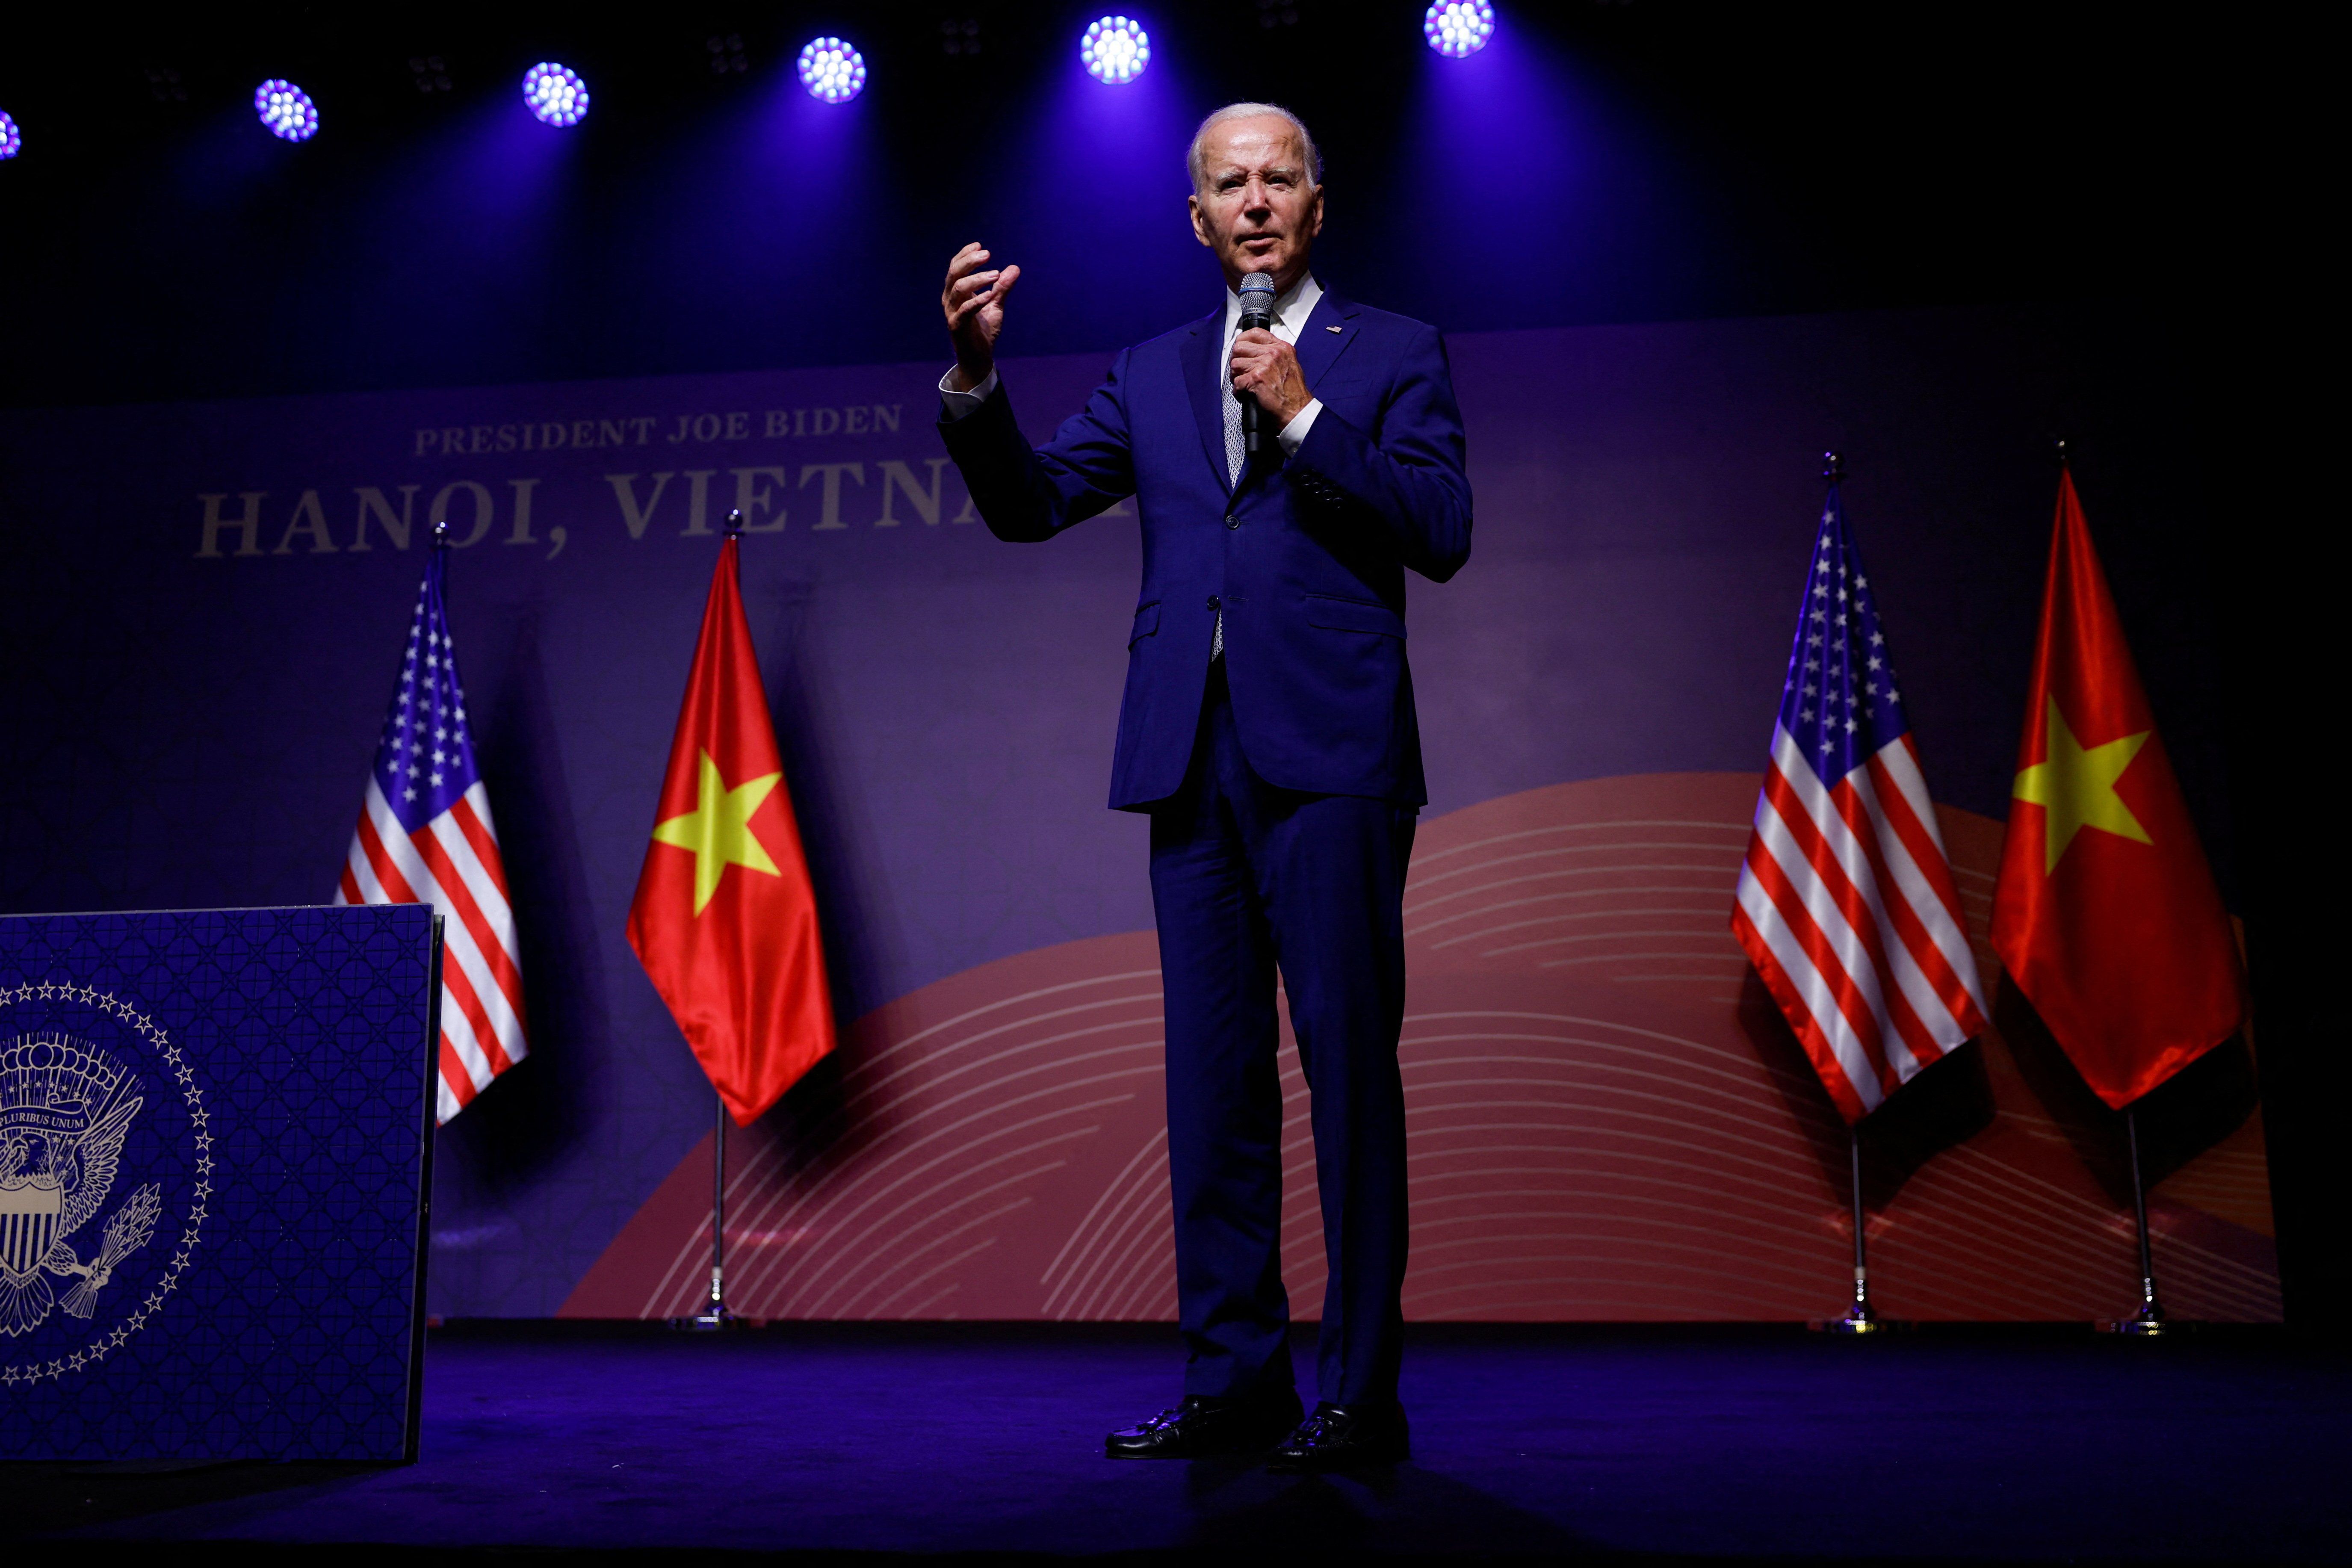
2150,1321
714,1316
1861,1318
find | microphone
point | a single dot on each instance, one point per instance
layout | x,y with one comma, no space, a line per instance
1257,314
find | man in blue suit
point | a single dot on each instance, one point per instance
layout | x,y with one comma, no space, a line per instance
1268,728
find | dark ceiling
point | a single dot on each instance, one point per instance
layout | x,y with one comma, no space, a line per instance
1727,158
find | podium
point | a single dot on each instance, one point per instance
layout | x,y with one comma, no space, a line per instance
215,1144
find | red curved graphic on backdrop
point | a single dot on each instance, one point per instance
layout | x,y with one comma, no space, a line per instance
1600,1126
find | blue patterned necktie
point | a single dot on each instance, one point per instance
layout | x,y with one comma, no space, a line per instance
1233,453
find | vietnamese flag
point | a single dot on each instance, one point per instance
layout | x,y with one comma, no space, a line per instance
725,919
2106,913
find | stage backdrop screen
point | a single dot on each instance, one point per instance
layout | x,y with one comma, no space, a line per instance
210,604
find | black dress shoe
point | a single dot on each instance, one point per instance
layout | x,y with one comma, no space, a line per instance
1204,1427
1338,1436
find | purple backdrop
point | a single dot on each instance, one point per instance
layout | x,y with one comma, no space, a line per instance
190,709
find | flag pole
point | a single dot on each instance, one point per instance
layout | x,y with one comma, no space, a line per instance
2149,1320
1861,1318
714,1316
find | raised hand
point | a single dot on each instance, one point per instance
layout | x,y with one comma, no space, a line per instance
973,302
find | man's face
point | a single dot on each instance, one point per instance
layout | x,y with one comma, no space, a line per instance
1256,210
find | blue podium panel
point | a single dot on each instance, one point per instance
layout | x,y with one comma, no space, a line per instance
214,1135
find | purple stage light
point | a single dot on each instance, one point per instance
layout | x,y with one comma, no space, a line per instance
12,140
287,109
556,94
1458,28
1115,49
831,70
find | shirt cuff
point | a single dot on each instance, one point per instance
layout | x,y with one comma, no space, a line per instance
963,404
1292,435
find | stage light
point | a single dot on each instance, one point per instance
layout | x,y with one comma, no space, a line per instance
12,140
556,94
1115,49
287,109
1458,28
726,52
831,70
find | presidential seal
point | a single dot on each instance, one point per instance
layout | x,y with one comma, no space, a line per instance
72,1101
65,1106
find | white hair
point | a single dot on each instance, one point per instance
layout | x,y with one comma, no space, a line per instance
1196,159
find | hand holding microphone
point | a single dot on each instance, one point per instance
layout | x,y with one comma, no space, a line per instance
1265,369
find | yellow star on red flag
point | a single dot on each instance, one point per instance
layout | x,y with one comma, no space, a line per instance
2075,785
718,829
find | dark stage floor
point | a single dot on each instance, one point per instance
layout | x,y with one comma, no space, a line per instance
1592,1443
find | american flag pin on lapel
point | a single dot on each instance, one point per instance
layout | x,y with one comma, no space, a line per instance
1330,328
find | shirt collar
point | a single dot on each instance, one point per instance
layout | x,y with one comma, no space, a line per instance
1291,310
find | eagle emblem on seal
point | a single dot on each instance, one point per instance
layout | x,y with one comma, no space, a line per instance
65,1109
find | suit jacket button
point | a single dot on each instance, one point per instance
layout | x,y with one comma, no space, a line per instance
1233,522
1212,601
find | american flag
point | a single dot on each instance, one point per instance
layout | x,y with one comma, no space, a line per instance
424,836
1846,903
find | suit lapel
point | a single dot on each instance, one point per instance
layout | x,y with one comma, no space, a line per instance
1200,363
1319,346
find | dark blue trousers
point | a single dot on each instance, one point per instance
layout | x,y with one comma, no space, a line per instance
1246,879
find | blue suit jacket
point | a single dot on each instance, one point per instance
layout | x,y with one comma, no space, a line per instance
1306,559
